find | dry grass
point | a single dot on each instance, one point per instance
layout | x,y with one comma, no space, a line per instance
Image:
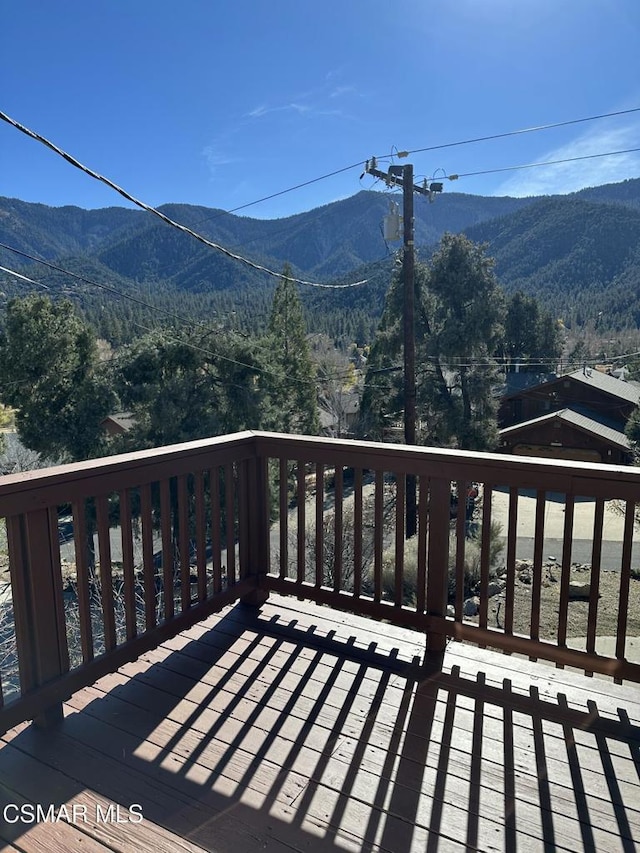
578,609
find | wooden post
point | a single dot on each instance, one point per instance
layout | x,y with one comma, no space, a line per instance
438,560
41,640
256,519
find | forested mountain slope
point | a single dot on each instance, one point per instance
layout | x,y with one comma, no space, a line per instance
580,253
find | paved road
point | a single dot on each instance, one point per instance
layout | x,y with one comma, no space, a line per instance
612,530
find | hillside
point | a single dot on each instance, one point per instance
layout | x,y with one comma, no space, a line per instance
580,253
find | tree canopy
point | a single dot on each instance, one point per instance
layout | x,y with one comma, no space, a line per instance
51,376
460,311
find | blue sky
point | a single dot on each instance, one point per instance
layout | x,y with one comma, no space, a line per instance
219,104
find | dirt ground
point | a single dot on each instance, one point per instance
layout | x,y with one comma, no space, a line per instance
578,609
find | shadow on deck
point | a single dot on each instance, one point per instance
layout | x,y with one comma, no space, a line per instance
299,728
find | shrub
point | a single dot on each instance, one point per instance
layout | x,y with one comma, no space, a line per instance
472,552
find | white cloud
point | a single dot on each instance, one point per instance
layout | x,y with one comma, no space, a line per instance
293,107
572,176
216,157
339,91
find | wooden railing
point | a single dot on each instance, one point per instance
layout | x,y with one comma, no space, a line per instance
158,540
162,538
340,513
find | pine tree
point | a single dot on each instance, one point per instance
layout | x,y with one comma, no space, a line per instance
50,373
459,315
291,373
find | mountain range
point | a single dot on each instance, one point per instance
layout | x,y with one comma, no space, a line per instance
579,253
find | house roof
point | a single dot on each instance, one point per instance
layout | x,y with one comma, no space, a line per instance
619,388
576,419
125,420
628,391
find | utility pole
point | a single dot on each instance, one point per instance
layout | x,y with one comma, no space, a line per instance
402,176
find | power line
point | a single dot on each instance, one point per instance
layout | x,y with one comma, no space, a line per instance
545,163
24,277
76,163
514,132
172,315
397,153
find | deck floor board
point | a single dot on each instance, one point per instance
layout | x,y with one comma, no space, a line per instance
299,728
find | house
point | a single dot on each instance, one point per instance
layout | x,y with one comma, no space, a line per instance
339,413
118,423
580,416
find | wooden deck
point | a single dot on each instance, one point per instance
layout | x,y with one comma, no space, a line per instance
297,728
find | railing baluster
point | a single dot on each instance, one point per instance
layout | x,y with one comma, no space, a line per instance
301,495
128,576
398,581
201,536
625,579
148,573
338,532
216,522
421,595
536,583
485,551
319,539
283,515
80,537
512,541
594,586
243,521
565,578
168,551
461,523
230,503
106,579
378,536
357,533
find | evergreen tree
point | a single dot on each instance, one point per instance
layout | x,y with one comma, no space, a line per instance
533,339
182,385
50,373
291,375
459,315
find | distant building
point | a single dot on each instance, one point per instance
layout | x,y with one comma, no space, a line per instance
118,423
580,416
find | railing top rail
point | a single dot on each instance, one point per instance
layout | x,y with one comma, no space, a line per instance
49,486
578,478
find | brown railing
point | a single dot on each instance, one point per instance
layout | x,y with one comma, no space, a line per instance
162,538
340,522
110,557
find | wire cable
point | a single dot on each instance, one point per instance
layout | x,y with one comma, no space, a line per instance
396,153
24,277
189,322
516,132
76,163
545,163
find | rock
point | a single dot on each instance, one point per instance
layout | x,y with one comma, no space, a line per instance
495,588
471,606
579,590
451,611
525,577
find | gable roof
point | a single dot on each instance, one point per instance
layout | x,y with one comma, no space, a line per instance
628,391
618,388
576,419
